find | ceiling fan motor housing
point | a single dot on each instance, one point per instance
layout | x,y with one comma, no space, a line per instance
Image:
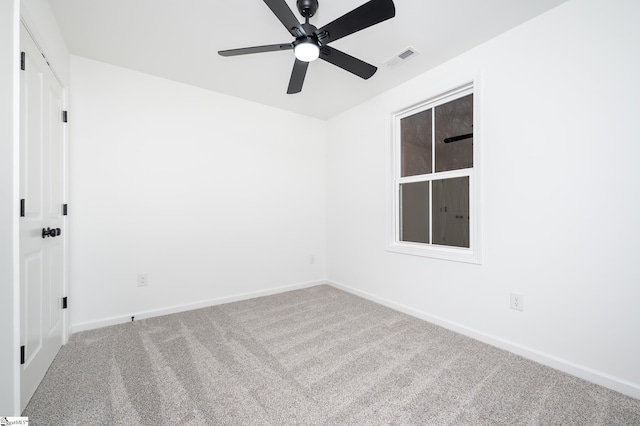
307,8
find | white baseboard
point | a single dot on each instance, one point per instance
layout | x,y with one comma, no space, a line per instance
105,322
585,373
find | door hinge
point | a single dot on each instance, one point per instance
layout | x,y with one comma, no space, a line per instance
23,61
64,303
21,354
22,207
64,117
64,210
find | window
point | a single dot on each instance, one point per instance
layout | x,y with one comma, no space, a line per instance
435,192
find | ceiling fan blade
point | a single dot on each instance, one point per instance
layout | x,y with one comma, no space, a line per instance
297,76
256,49
347,62
286,16
370,13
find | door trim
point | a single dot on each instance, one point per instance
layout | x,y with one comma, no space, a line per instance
9,212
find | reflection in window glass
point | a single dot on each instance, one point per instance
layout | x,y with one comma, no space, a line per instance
416,137
451,212
454,134
414,210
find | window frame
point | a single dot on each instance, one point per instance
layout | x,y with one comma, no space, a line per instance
452,253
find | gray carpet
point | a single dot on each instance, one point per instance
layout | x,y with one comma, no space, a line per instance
312,356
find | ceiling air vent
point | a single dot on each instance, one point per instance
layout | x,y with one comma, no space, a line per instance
401,57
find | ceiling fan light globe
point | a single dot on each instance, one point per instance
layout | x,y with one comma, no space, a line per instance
307,51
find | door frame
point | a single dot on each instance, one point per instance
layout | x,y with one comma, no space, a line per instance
9,208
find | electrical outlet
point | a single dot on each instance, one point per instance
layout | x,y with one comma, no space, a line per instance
517,302
143,280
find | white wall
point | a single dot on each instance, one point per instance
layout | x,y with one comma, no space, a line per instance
559,98
9,65
213,197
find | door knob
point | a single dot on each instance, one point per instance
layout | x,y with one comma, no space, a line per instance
48,232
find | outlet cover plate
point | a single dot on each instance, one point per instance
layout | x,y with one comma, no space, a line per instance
143,280
517,301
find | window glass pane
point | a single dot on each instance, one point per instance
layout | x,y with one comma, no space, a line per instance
454,134
414,212
451,212
416,138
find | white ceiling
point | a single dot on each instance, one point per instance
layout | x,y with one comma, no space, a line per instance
179,40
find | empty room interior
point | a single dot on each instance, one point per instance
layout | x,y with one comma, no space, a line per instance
441,231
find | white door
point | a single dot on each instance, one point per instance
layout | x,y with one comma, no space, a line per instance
42,187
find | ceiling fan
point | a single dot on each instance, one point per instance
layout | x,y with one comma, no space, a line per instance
311,43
